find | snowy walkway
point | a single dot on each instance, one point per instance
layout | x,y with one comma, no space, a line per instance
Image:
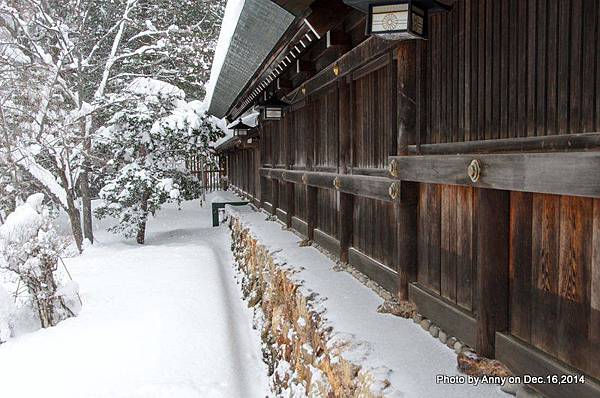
162,320
390,346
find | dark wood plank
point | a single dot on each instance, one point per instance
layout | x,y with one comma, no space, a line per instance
574,276
326,241
520,263
454,321
448,250
358,56
406,223
492,266
345,224
572,173
379,272
311,211
594,327
465,263
544,272
523,359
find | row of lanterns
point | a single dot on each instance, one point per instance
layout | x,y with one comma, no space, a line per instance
402,19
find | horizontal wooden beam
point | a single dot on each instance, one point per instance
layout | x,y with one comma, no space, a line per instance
380,273
450,318
328,242
300,226
371,48
380,188
524,359
564,173
546,144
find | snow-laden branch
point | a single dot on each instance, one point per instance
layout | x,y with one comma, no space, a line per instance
114,49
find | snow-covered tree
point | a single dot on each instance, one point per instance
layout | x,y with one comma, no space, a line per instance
61,59
148,139
31,249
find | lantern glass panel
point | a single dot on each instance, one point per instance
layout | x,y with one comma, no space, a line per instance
273,113
389,18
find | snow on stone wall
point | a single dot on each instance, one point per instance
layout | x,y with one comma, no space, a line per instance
303,358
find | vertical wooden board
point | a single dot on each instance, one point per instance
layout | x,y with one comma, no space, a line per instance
459,48
496,76
481,73
489,68
465,40
423,236
472,76
433,221
588,94
540,109
504,68
493,267
345,220
574,277
531,66
406,223
435,78
544,285
575,68
597,91
448,237
520,263
464,248
551,68
563,67
594,327
521,92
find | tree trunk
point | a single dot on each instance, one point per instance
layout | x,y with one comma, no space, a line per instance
72,212
141,235
86,201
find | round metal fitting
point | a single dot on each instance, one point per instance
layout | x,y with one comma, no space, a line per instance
474,170
394,190
337,183
394,168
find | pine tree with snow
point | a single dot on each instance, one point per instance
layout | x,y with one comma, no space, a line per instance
148,139
31,249
59,62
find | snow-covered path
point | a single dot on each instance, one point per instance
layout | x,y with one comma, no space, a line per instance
162,320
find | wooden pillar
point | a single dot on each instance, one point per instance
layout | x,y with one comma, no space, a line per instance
311,211
345,222
289,196
274,195
406,210
344,126
492,267
406,228
256,175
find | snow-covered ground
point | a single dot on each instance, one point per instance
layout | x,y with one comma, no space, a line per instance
391,347
160,320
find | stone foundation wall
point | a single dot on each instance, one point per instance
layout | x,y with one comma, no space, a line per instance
302,357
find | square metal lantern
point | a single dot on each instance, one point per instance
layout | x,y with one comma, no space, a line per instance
403,19
272,109
240,129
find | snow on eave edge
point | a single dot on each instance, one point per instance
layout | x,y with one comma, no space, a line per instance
233,10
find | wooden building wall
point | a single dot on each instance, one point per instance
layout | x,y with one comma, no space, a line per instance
510,265
503,69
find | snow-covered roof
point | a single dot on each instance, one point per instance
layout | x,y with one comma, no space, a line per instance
250,119
250,30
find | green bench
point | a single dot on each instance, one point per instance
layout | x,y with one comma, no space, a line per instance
221,205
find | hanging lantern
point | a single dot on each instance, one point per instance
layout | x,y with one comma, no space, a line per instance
402,19
272,109
240,129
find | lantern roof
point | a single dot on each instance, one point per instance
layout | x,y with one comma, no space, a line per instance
274,102
239,125
363,5
250,31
